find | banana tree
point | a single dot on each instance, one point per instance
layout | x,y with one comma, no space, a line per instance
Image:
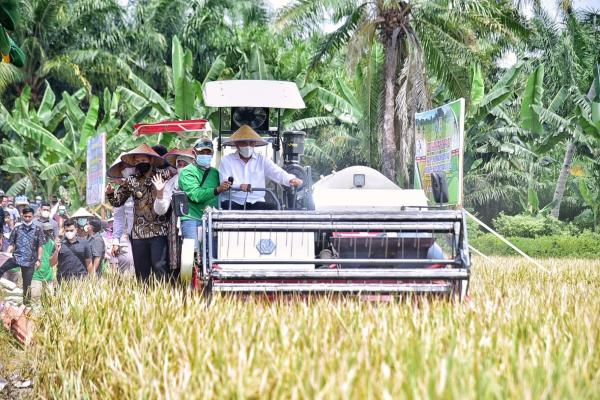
42,162
575,128
499,154
185,100
30,145
348,127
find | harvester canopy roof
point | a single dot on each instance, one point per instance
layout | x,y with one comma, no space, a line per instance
253,93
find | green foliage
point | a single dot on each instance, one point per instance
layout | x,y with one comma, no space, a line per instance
534,92
527,226
586,220
591,196
9,18
45,149
584,245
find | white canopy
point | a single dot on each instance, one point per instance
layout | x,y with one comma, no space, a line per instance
256,93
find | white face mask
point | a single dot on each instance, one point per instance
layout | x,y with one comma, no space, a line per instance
45,214
86,228
246,151
27,223
70,235
127,172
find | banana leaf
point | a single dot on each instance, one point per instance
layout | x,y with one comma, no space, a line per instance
534,90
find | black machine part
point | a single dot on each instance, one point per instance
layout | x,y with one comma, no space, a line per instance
293,146
297,170
256,117
439,187
180,203
299,198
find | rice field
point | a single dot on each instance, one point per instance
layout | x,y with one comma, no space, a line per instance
524,334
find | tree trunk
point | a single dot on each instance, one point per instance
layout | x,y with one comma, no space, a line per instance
562,179
388,139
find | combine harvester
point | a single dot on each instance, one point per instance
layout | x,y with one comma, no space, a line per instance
354,231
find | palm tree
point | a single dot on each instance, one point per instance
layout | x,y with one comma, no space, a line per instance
69,43
347,134
439,35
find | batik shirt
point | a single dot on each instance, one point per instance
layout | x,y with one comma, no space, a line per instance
146,223
26,239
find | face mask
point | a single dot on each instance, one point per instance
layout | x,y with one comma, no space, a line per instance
246,151
45,214
82,222
127,172
86,228
142,168
61,212
204,160
27,223
70,235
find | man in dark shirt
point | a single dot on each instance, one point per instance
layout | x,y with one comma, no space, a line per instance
25,246
73,255
97,245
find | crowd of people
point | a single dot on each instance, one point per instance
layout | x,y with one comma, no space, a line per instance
48,245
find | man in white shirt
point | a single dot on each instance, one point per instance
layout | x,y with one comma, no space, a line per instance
249,170
123,219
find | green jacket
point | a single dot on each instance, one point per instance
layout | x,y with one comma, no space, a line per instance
45,273
199,197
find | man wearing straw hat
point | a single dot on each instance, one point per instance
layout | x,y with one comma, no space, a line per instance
149,233
82,216
250,169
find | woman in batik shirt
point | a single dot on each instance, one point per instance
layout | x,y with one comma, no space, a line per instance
149,234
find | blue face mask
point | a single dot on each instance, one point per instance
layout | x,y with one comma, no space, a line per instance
82,222
203,160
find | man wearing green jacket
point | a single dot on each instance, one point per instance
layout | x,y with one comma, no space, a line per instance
43,278
201,184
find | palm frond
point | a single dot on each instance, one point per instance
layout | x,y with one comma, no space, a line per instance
341,36
311,122
19,186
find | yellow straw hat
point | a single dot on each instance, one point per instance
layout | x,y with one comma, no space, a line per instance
245,134
174,154
144,150
115,170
